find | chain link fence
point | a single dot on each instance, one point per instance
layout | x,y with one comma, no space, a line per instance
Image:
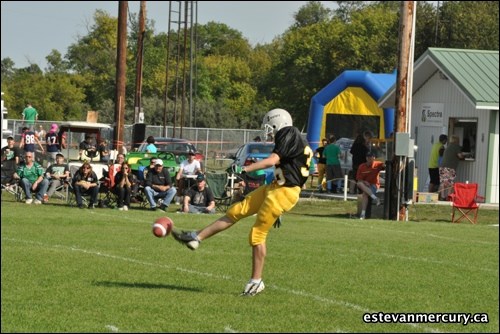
213,143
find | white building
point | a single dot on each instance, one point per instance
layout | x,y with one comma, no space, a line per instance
455,92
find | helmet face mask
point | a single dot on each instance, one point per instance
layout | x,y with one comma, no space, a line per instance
274,120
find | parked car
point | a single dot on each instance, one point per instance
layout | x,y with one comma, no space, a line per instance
171,150
254,151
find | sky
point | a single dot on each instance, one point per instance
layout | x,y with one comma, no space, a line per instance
31,29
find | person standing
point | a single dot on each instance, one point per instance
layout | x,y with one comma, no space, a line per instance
28,140
437,150
41,133
321,163
52,142
30,115
369,181
333,154
291,157
448,169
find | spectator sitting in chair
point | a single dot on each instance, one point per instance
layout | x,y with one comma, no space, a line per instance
87,146
103,150
199,198
57,174
188,167
85,182
151,147
124,183
159,185
30,174
368,180
10,152
10,161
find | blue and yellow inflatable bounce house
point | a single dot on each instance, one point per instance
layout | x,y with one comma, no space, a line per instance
347,106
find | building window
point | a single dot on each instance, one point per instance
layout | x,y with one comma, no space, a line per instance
466,130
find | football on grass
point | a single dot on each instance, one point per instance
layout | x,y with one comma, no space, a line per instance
162,227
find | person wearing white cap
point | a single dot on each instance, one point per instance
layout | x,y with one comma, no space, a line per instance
52,142
158,185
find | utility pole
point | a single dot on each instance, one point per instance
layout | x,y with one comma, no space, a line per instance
403,102
121,69
138,72
184,66
139,128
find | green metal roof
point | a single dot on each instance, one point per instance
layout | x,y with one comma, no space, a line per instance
474,71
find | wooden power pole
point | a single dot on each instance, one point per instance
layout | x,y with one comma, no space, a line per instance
140,54
121,69
403,101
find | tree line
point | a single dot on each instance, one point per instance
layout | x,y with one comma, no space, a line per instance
236,83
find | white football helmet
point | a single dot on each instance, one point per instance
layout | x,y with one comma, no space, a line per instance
274,120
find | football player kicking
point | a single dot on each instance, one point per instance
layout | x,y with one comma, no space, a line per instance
291,157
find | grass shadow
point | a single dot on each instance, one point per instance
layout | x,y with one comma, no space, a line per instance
143,286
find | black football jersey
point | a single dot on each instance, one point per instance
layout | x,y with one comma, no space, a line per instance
295,157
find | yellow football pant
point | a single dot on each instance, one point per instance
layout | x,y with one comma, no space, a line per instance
268,202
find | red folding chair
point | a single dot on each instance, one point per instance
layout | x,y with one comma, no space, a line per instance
464,202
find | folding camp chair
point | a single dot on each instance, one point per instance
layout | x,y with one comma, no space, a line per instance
220,184
107,196
250,184
464,200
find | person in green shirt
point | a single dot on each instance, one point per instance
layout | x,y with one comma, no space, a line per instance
31,176
333,154
30,115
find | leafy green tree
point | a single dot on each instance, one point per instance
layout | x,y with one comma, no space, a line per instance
469,25
311,13
94,57
8,69
56,64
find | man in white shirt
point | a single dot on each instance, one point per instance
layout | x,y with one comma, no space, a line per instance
186,175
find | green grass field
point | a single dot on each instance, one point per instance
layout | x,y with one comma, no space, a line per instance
71,270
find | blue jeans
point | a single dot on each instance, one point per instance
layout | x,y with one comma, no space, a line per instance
80,191
153,195
199,209
40,190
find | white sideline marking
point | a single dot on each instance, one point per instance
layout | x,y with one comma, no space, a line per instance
112,328
225,277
